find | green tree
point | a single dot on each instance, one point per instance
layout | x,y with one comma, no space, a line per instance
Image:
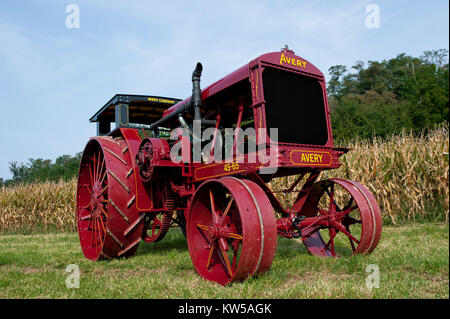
384,97
65,167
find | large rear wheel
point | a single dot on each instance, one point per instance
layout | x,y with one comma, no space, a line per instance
109,225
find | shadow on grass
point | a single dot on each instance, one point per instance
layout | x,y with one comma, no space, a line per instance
174,240
289,248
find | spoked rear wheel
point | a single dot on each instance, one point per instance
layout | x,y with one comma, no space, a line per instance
344,219
109,225
93,194
231,230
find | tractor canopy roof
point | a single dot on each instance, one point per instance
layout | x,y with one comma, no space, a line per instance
144,109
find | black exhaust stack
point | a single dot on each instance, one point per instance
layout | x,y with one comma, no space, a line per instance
195,102
196,99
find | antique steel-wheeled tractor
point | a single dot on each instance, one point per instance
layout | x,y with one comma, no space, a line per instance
205,164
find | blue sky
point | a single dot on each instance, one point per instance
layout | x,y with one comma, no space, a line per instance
52,79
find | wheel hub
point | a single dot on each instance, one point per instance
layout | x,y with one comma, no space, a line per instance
144,160
213,231
95,196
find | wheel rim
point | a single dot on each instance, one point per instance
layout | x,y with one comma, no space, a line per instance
224,236
350,216
92,203
376,214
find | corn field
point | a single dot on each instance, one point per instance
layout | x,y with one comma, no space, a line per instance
408,174
46,206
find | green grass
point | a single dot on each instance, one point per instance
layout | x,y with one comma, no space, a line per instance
413,261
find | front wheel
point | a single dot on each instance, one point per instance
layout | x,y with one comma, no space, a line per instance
231,230
342,219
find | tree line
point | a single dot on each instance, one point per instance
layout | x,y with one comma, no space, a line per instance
38,170
375,99
382,98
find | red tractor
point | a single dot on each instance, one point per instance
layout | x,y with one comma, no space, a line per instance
158,169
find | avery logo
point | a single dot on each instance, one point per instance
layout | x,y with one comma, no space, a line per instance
292,61
310,158
154,99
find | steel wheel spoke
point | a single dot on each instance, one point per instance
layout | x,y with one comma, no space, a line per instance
91,222
98,168
233,236
103,225
95,233
89,189
223,244
332,248
331,195
228,208
349,235
351,241
104,212
348,204
226,260
346,211
235,252
103,176
211,250
90,175
332,233
347,221
306,233
213,207
101,170
100,232
202,227
94,169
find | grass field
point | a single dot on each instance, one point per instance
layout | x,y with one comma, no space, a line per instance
413,262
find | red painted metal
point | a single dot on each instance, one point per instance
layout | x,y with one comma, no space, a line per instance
230,234
130,190
109,224
350,213
158,224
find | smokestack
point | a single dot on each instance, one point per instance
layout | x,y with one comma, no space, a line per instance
196,98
